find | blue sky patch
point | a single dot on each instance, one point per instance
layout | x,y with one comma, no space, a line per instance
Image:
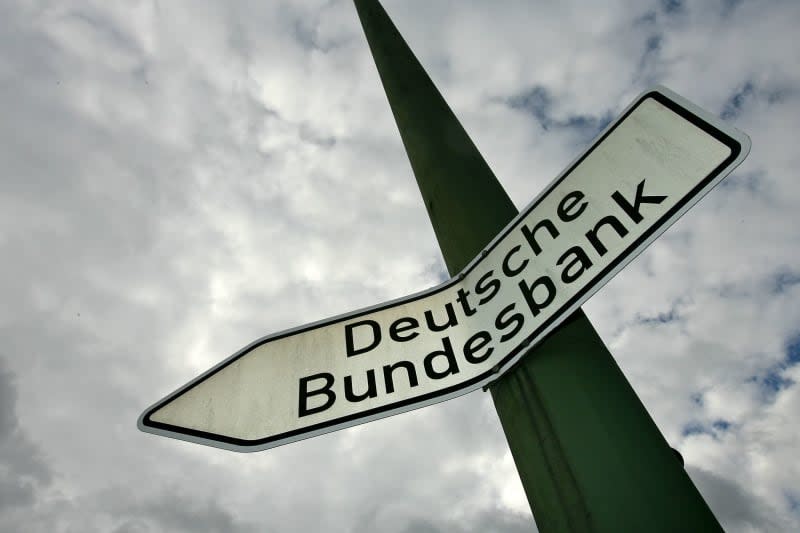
536,101
695,428
660,318
671,6
784,280
539,102
698,428
653,44
736,103
721,425
793,501
773,380
793,351
728,6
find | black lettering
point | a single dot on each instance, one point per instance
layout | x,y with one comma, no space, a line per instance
476,343
502,322
371,392
462,299
610,220
451,319
449,356
388,370
491,286
507,270
638,200
579,259
530,234
566,205
330,396
527,291
401,325
348,333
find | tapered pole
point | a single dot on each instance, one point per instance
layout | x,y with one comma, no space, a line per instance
589,455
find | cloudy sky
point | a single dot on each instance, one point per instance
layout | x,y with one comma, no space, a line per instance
180,178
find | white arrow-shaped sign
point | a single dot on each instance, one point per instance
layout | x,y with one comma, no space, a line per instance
644,171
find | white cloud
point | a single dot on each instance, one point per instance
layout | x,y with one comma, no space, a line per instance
180,178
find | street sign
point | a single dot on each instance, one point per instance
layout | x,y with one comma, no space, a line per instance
644,171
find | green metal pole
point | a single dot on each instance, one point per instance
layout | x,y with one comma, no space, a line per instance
589,456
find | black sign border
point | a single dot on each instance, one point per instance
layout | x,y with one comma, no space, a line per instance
659,94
